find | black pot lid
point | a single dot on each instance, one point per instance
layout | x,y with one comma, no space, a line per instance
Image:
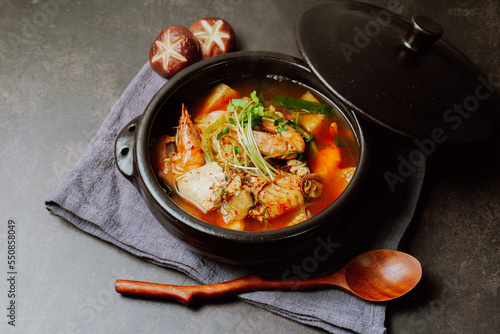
398,73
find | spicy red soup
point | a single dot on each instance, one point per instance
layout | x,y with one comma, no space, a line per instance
256,155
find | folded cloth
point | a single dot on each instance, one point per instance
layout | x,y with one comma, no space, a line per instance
96,198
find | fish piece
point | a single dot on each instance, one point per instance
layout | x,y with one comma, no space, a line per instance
226,141
279,197
203,186
236,207
233,186
278,145
255,183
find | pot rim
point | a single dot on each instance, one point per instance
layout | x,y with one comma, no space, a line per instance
145,170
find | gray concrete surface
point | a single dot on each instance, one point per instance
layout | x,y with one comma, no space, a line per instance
64,63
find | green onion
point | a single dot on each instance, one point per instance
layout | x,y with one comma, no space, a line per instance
306,135
206,144
313,149
253,151
302,105
247,115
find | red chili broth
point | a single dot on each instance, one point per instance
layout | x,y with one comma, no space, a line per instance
348,155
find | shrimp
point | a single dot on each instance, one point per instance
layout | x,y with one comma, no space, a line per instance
282,145
189,152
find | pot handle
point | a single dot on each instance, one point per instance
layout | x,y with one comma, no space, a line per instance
124,148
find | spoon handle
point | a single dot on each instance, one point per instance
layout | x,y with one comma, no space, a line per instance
189,295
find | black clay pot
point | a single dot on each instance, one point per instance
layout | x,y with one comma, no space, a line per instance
243,247
393,72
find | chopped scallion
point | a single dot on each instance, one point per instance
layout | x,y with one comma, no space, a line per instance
206,144
302,105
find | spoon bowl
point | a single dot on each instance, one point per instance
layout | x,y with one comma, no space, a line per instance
377,276
382,274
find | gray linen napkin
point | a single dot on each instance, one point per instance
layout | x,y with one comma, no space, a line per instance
96,198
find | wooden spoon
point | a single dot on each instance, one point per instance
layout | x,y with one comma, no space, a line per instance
378,276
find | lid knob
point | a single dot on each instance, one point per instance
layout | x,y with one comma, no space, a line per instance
422,33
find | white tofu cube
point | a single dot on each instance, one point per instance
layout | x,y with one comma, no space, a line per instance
203,186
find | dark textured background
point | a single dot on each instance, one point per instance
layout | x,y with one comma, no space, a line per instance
64,63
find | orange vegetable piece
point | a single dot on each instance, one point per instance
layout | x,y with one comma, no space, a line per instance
326,160
218,99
